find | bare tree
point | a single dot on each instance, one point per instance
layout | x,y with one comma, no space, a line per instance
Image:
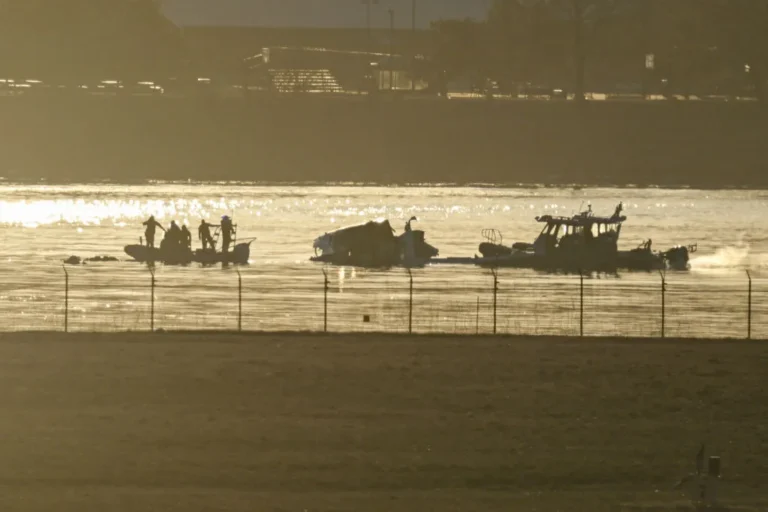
685,38
586,17
529,28
461,50
87,39
743,38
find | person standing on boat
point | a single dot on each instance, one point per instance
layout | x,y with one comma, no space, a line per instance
186,237
149,232
408,224
204,234
174,235
227,231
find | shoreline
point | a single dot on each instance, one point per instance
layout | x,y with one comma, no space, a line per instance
161,335
318,184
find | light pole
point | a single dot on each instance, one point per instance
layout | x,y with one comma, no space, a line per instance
368,4
413,43
391,48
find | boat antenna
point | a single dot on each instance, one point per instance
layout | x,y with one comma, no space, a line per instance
580,207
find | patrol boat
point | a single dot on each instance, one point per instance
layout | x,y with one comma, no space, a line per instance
583,242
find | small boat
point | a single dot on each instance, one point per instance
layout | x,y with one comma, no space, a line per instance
583,242
184,256
374,245
644,258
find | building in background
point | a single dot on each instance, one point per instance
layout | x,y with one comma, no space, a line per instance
318,13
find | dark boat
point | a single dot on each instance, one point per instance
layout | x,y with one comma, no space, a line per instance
374,245
184,256
644,258
583,242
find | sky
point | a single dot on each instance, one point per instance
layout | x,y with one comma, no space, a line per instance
317,13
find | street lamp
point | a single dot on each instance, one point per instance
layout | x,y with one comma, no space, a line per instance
413,43
368,4
391,48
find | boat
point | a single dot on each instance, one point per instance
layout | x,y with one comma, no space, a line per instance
644,258
583,242
180,255
374,245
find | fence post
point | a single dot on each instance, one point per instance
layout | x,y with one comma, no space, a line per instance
495,272
663,303
152,306
749,307
581,303
477,317
410,303
239,301
66,299
325,301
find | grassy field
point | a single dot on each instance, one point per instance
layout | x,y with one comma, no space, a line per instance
357,423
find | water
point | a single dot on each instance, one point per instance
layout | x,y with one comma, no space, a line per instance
42,225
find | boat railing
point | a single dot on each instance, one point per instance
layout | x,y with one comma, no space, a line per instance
493,236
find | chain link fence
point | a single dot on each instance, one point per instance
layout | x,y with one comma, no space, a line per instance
463,300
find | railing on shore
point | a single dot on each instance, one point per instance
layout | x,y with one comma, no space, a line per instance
463,300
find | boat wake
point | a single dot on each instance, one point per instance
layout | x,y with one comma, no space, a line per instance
738,257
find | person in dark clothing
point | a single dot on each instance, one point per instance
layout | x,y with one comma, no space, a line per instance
149,232
173,235
186,237
408,224
227,231
204,234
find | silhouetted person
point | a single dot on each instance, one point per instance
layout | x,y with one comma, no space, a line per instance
204,234
408,224
619,209
173,235
186,237
227,231
149,232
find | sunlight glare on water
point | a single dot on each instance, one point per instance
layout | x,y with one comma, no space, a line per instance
101,219
43,225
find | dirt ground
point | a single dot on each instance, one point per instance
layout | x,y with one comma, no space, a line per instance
367,423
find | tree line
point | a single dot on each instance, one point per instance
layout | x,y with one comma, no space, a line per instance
684,46
80,40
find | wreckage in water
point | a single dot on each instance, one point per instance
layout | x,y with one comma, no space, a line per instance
374,245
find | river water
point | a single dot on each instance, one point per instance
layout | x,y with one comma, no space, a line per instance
41,225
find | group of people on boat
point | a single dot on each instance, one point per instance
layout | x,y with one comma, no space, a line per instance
180,237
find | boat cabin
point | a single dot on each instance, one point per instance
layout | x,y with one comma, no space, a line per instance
582,232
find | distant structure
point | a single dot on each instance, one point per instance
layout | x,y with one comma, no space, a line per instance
323,70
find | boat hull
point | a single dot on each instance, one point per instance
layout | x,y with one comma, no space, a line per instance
624,260
239,255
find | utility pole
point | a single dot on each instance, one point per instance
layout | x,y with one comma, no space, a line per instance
368,4
391,48
413,45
